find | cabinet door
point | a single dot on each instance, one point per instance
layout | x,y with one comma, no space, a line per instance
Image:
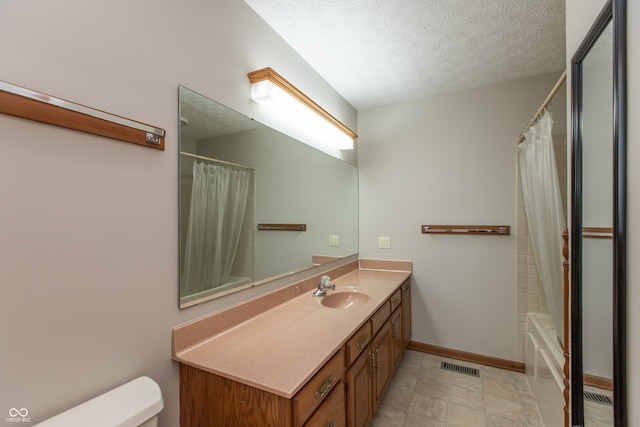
382,355
359,391
406,313
398,338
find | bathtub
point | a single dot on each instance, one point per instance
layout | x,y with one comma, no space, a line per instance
233,282
544,367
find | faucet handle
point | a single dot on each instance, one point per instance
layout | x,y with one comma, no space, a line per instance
324,280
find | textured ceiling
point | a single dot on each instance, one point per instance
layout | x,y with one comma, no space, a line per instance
196,112
376,52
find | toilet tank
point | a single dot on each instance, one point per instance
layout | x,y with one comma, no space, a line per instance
134,404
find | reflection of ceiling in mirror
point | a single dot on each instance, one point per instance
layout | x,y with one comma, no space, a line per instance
195,117
602,50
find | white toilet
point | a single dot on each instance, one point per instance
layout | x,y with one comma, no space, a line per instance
134,404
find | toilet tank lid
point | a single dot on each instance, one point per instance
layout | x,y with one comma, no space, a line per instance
128,405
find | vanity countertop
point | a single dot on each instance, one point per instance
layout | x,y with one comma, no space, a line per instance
280,349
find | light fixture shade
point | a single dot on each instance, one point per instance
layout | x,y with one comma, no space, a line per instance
320,129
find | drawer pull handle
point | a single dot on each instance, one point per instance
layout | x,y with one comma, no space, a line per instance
363,342
396,300
374,359
372,365
332,424
325,387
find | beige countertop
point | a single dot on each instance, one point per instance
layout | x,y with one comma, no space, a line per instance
280,349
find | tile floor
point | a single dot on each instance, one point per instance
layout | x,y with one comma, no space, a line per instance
596,414
422,394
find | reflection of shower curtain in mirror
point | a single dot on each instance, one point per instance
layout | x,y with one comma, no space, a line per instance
218,202
545,216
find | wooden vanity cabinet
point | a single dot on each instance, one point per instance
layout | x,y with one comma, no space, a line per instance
382,358
368,377
358,343
359,391
314,393
332,412
397,336
209,400
346,391
406,312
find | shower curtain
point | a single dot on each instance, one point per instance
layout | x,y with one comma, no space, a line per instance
218,202
545,216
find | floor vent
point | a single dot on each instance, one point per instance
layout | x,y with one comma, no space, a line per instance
460,369
598,398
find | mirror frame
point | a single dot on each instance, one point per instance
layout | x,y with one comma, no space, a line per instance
614,11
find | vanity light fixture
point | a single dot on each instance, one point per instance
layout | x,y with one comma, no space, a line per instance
315,125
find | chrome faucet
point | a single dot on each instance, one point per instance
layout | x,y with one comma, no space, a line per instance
323,286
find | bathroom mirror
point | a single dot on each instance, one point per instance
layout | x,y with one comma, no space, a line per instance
598,235
236,173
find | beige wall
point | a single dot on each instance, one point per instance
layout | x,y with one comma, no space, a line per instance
450,159
88,225
580,16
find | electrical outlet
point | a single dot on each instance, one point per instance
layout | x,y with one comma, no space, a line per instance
334,240
384,242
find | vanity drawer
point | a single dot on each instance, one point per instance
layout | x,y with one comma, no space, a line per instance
358,342
332,413
396,299
381,316
330,377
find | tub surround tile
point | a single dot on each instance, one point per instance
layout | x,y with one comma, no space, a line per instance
251,342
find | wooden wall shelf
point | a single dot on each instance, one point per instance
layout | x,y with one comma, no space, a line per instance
283,227
499,230
28,104
597,233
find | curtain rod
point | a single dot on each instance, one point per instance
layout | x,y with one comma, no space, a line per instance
544,105
221,162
